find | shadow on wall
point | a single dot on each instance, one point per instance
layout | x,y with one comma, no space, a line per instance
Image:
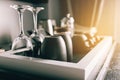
9,26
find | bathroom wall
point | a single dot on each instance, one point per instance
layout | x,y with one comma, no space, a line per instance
57,9
107,21
9,26
82,11
117,21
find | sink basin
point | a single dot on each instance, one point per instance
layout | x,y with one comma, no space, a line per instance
85,68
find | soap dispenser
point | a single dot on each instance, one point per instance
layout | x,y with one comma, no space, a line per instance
68,22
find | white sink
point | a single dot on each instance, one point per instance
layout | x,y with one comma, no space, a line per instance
85,69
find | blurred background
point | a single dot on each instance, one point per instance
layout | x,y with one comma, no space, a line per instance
101,14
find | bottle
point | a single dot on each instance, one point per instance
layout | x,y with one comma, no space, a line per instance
68,22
